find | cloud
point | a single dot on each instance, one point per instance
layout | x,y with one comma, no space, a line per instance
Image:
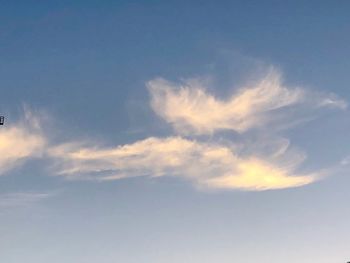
345,161
190,109
207,165
251,161
332,101
22,199
20,141
258,175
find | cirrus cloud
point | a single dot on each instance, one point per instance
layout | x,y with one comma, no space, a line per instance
190,109
20,141
263,161
207,165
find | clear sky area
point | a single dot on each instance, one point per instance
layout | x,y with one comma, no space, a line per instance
174,131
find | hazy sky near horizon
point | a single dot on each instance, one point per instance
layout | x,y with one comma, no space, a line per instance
174,131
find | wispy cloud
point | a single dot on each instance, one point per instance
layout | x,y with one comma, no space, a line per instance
332,100
22,199
20,141
264,162
192,110
206,165
345,161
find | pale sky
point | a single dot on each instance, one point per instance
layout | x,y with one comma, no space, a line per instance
174,131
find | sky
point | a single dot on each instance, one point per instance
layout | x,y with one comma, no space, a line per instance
174,131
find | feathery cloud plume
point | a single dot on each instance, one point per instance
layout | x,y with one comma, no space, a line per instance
248,165
191,110
207,165
255,164
20,141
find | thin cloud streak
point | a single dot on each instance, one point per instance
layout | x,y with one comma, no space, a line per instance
206,165
22,199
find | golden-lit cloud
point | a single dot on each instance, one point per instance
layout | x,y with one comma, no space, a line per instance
190,109
256,161
207,165
258,175
19,142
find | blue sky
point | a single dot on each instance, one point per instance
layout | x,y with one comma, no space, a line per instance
174,131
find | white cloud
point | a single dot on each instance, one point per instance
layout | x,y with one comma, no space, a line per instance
331,100
205,164
192,110
19,142
345,161
21,199
259,162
